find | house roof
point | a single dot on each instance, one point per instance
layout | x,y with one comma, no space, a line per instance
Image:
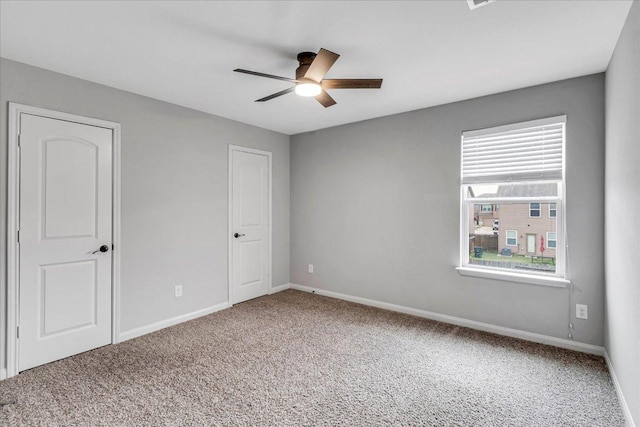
528,190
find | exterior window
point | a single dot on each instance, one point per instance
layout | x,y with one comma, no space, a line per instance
534,210
520,168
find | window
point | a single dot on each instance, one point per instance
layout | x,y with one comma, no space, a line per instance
487,208
519,167
552,239
534,210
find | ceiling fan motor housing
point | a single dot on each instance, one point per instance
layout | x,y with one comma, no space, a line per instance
305,59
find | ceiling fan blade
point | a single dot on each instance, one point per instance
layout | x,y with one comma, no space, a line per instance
320,65
325,99
351,83
270,76
275,95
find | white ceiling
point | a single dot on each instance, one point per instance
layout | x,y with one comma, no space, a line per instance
428,52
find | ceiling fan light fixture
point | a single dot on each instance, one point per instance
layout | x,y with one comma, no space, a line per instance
310,81
308,88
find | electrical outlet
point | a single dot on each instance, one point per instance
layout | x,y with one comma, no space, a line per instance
178,291
582,311
310,268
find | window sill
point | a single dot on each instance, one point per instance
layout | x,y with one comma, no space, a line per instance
508,276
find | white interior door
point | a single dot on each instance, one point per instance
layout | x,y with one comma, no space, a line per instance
250,216
65,215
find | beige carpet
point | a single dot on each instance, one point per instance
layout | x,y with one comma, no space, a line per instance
295,359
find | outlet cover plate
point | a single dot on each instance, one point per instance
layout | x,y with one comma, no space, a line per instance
310,268
582,311
178,291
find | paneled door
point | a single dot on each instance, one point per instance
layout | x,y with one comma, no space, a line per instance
250,216
65,239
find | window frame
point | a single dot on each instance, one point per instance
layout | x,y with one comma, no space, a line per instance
506,235
555,211
555,246
554,279
464,268
539,209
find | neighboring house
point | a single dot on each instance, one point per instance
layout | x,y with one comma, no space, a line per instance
481,224
485,213
523,224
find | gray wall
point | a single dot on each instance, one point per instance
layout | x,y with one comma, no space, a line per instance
375,207
622,211
174,191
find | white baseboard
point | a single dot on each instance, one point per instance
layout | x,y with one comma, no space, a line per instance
459,321
279,288
143,330
3,374
623,401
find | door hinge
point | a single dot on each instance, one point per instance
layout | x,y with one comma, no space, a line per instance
19,139
18,236
113,247
18,332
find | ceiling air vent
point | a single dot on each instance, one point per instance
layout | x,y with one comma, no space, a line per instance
474,4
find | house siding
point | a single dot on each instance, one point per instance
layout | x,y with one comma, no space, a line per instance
516,217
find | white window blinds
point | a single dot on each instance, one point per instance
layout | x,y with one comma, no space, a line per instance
520,152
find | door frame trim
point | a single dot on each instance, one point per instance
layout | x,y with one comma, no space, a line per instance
13,215
269,155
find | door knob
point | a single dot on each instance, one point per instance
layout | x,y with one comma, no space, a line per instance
103,248
236,235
